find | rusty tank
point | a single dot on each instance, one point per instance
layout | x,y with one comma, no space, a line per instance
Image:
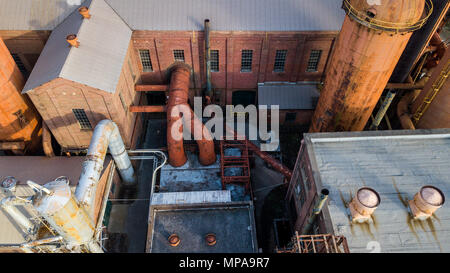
19,121
370,43
179,113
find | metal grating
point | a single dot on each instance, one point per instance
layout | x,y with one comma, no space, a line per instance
280,60
214,60
146,60
314,59
320,243
82,119
246,60
178,55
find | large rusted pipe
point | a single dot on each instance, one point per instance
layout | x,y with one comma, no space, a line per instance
372,39
106,135
176,106
277,165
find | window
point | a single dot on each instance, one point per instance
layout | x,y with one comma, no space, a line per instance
145,60
131,69
19,64
246,60
314,59
214,60
83,120
124,105
280,60
290,116
178,55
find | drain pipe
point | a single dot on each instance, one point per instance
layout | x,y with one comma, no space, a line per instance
106,135
208,60
316,211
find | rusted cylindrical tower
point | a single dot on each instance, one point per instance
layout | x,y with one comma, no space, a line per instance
19,121
372,39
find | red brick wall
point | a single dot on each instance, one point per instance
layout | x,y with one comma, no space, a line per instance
230,45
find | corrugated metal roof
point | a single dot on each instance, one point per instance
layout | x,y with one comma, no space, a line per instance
97,62
385,161
225,15
288,96
35,14
232,15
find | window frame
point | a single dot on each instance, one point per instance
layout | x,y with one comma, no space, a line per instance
245,61
279,64
215,62
146,67
82,119
314,61
178,59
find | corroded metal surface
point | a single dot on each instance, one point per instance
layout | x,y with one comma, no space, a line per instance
179,112
362,62
18,118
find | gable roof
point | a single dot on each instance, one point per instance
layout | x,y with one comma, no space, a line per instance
185,15
97,62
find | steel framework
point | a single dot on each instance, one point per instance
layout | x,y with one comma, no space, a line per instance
320,243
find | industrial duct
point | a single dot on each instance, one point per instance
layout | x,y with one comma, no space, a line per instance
426,202
364,204
177,109
106,135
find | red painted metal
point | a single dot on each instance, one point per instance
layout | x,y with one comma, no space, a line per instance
241,162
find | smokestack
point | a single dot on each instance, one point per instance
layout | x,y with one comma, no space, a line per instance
84,11
72,40
364,204
426,202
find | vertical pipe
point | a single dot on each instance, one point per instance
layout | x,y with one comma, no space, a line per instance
383,109
316,211
208,60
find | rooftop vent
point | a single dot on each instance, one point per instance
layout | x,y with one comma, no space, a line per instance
84,11
9,183
364,204
174,240
73,40
426,202
210,239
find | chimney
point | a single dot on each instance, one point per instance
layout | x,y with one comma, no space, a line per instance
210,239
426,202
73,40
364,204
84,11
174,240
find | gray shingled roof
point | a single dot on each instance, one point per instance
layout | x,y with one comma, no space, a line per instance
225,15
288,96
97,62
393,163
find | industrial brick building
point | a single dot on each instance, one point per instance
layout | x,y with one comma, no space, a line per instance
123,44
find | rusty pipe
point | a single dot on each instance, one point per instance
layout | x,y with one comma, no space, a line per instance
176,106
106,135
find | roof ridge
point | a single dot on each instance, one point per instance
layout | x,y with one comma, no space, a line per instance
106,1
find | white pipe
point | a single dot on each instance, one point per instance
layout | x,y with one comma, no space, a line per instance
106,135
9,205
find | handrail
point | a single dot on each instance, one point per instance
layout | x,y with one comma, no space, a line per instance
385,25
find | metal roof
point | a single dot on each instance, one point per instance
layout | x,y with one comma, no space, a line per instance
225,15
232,15
97,62
288,96
394,163
35,15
